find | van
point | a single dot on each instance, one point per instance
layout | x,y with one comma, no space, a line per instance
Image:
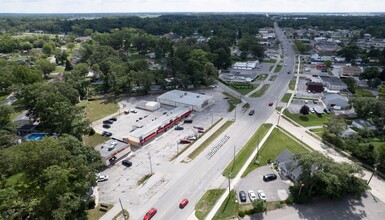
251,112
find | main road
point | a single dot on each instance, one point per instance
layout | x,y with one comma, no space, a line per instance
202,173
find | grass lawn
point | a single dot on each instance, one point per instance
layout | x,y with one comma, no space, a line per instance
94,140
308,120
270,68
246,106
207,202
330,72
3,96
244,154
17,111
209,140
233,101
260,92
292,85
318,131
59,69
274,145
229,208
262,77
136,56
363,92
272,78
278,69
98,109
269,61
244,89
286,98
96,213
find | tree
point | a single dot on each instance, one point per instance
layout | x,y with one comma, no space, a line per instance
328,63
7,128
45,66
370,73
48,48
259,205
50,178
323,177
363,106
70,46
25,75
304,110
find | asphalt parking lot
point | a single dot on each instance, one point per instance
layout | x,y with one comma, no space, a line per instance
297,104
275,190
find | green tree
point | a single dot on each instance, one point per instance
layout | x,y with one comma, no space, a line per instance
45,66
25,75
7,128
304,110
48,48
259,206
71,46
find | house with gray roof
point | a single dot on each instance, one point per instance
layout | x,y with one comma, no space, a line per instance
288,166
362,124
331,100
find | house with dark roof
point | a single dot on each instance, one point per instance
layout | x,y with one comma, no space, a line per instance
331,100
288,166
362,124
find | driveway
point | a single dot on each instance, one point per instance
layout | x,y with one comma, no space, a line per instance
275,190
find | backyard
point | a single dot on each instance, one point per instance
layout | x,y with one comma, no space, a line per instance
308,120
99,109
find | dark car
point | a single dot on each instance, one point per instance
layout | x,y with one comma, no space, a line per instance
269,177
188,121
106,133
288,72
327,111
179,128
127,163
113,119
106,126
242,196
251,112
271,104
108,122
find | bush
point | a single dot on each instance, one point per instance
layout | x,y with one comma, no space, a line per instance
259,206
241,213
278,205
249,211
289,200
92,132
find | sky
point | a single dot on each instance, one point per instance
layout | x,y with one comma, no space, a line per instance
91,6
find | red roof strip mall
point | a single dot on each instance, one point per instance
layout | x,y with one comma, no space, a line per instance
142,135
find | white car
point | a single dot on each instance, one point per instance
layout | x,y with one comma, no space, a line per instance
261,195
101,177
311,110
252,195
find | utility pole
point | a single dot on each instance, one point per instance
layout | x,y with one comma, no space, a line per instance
228,177
149,157
121,206
234,154
177,147
375,169
235,113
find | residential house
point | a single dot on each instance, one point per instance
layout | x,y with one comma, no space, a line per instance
333,83
288,166
362,124
332,100
351,71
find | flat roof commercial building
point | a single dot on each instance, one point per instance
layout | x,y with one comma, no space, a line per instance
112,150
194,101
149,131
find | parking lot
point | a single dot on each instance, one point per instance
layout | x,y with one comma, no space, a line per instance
275,190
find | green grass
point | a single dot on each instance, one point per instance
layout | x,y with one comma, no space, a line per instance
270,68
286,98
274,145
269,61
96,213
240,159
308,120
59,69
17,111
207,202
143,179
3,96
209,140
260,92
246,106
233,101
94,140
243,89
363,92
318,131
292,85
262,77
118,216
278,69
330,72
136,56
272,78
229,208
99,109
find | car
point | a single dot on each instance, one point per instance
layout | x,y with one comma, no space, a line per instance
261,195
179,128
127,163
269,177
150,214
270,104
251,112
242,196
133,111
288,72
311,110
183,203
113,119
199,128
252,195
201,131
113,159
126,112
188,121
185,141
106,133
101,177
108,122
106,126
315,102
191,137
327,111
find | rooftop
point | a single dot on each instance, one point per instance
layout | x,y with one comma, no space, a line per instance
111,146
188,98
332,80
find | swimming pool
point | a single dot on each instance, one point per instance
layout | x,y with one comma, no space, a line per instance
35,136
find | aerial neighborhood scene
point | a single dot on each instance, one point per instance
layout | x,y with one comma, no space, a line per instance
192,109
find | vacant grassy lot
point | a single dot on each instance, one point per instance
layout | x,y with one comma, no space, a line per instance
229,208
99,109
363,92
278,69
94,140
260,92
274,145
233,101
209,140
240,159
206,203
96,213
286,98
308,120
292,85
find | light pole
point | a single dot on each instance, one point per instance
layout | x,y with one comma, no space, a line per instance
149,157
121,206
177,147
234,154
300,188
228,177
375,169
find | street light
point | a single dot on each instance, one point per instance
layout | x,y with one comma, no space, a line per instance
300,188
374,170
149,157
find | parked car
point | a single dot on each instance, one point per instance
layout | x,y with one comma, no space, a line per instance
191,137
101,177
288,72
199,128
106,133
133,111
183,203
270,104
201,131
150,214
184,141
262,195
242,196
126,112
106,126
113,159
179,128
327,111
127,163
311,110
251,112
113,119
188,121
269,177
108,122
252,195
315,101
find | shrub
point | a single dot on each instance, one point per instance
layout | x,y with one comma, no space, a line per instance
92,132
278,205
289,200
249,211
241,213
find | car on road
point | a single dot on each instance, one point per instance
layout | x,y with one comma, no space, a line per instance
251,112
270,104
183,203
288,72
101,177
106,133
150,214
269,177
252,195
179,128
127,163
188,121
261,195
106,126
242,196
185,141
315,102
